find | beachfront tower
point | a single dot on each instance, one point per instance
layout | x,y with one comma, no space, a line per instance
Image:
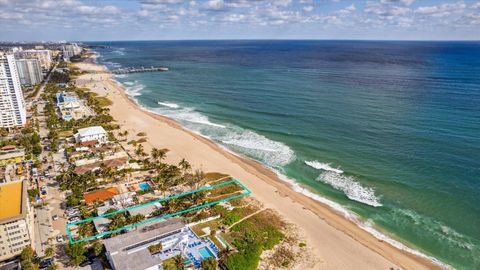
12,104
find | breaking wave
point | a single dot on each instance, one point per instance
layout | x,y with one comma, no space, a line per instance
169,104
249,143
368,225
348,185
322,166
134,88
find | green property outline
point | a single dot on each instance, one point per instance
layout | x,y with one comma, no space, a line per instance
72,241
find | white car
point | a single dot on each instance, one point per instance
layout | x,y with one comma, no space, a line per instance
59,238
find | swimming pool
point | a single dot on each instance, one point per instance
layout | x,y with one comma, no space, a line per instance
205,252
144,186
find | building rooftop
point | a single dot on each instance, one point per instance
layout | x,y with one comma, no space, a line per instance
100,195
145,210
129,250
12,153
11,203
91,131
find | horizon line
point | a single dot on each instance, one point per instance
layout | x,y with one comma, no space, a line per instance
248,39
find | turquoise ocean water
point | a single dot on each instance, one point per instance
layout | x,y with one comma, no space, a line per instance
387,130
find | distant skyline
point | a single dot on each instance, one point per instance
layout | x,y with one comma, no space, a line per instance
90,20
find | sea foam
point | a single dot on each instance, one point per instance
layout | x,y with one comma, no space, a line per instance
348,185
322,166
169,105
243,141
133,88
368,225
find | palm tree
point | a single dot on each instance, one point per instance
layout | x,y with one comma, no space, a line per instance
139,151
178,261
50,251
158,154
184,165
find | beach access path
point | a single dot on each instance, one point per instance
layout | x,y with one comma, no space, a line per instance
337,243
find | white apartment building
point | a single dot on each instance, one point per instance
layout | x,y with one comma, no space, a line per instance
44,56
29,71
12,104
70,50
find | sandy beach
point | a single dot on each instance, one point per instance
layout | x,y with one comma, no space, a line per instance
337,242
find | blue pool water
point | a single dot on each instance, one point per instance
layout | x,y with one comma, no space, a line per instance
205,252
144,186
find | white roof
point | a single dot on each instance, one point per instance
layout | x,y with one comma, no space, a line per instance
83,132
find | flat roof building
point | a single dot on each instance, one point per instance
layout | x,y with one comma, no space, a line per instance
130,250
16,220
11,156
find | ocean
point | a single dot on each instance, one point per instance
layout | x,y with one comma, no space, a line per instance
389,131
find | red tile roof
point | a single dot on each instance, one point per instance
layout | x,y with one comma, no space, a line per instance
100,195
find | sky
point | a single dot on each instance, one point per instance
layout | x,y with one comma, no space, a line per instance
90,20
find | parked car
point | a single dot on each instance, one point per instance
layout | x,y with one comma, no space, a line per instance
59,238
55,217
46,263
74,219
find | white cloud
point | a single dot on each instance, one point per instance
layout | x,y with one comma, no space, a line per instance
441,10
308,8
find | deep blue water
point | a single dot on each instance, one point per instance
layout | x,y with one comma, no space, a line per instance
389,130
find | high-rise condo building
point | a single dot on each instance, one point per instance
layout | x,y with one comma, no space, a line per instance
12,104
44,56
29,71
70,50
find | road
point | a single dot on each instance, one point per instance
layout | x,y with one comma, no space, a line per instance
46,229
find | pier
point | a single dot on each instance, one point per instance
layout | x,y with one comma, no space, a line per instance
130,70
139,70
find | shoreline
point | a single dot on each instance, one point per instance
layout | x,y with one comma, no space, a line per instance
333,236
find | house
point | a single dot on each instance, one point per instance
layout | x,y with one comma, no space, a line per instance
124,199
145,210
100,195
91,134
116,160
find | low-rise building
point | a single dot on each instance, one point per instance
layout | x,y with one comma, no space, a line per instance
71,107
117,160
95,134
100,195
11,155
131,251
16,219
